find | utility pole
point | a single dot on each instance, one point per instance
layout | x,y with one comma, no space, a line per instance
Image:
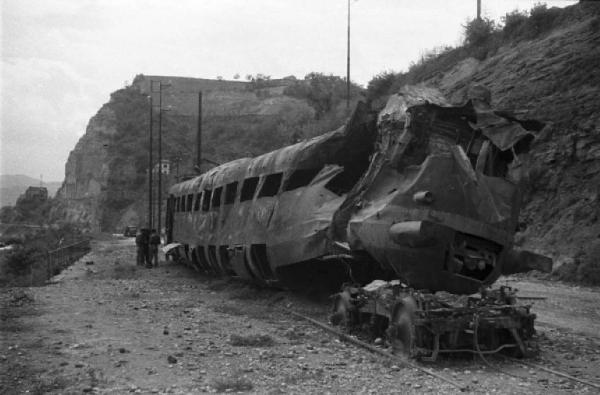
478,10
161,86
160,111
348,62
150,163
199,136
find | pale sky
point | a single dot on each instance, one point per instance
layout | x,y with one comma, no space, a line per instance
61,59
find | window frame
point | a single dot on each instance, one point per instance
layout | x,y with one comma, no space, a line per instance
197,201
206,197
249,183
301,174
217,194
267,184
229,194
190,202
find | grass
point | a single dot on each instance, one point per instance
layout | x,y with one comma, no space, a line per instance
219,285
236,383
246,292
20,297
228,309
251,340
304,375
124,272
44,386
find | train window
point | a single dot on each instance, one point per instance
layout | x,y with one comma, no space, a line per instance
248,188
197,201
206,199
182,203
230,191
300,178
271,185
177,199
190,200
216,197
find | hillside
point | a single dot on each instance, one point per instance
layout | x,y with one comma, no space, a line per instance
553,77
105,184
13,185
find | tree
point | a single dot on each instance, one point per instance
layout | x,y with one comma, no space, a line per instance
323,92
478,31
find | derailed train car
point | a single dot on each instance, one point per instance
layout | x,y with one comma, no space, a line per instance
424,192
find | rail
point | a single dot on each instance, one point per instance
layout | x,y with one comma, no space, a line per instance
460,386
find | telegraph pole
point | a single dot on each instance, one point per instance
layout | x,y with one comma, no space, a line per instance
348,62
198,136
150,164
478,10
160,111
161,86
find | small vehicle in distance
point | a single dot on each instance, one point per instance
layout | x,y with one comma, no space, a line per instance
130,231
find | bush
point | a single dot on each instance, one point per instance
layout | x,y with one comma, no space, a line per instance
19,261
588,271
323,92
380,84
541,19
513,24
479,31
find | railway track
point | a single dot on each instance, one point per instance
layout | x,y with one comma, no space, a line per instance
457,384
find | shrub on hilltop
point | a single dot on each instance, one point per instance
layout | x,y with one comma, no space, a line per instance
322,92
482,38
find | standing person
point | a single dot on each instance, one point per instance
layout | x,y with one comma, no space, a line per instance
141,246
154,243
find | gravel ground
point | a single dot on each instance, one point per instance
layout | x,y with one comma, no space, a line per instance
112,327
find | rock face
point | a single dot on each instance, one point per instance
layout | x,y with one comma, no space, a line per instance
86,171
105,186
555,79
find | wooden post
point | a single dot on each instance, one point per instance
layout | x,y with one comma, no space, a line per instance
198,138
348,62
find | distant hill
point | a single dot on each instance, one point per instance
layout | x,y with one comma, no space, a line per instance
13,185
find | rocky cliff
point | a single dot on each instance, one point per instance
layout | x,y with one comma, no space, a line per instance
105,186
86,171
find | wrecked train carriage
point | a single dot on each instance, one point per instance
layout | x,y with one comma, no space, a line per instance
427,193
267,218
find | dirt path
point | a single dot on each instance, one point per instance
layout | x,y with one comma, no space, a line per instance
111,327
563,306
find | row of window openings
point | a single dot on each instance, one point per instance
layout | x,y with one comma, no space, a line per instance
212,199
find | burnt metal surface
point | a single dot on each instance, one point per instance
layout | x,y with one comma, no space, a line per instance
423,191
